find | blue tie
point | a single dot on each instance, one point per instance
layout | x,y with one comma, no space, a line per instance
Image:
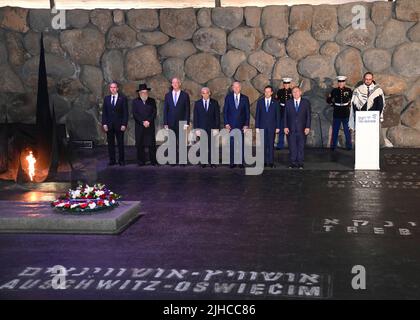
206,105
296,106
236,102
113,101
267,104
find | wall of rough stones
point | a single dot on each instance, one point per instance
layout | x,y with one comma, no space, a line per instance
212,47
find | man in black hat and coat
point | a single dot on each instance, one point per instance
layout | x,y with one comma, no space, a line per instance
144,113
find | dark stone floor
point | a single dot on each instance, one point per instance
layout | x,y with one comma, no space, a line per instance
231,236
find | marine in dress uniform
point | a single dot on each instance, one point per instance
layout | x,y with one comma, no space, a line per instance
283,95
340,100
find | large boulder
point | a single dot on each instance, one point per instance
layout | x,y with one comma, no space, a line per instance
231,60
40,20
204,17
406,59
155,38
143,19
93,79
285,67
275,21
71,88
301,17
253,16
113,66
381,12
31,43
211,40
275,47
57,67
317,67
178,23
251,92
346,15
405,137
377,60
118,17
392,111
262,61
121,37
358,38
202,67
391,84
393,34
246,39
177,48
77,18
227,17
193,89
301,44
13,83
245,72
85,46
349,63
142,62
411,115
219,88
174,67
414,33
159,85
324,23
330,49
15,48
14,19
260,82
102,19
414,91
407,10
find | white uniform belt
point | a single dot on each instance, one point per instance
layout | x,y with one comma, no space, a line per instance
341,104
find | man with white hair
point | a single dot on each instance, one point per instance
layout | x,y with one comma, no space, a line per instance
176,108
207,118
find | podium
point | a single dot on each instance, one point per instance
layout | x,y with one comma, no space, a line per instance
367,140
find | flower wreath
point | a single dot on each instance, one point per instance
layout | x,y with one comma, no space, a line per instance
85,199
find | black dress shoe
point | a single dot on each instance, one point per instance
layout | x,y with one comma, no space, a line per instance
121,163
140,164
112,163
271,165
155,164
203,166
232,166
241,166
213,166
291,166
300,166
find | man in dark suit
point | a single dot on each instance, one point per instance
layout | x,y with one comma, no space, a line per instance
236,116
207,118
176,108
114,122
144,114
297,125
267,117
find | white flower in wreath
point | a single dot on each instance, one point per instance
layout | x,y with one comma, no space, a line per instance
99,193
106,202
75,194
62,204
88,189
74,205
92,205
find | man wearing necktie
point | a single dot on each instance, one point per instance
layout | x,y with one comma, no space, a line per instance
207,118
267,118
114,122
297,125
176,108
236,113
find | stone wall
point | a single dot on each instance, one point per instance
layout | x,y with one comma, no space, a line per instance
212,47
